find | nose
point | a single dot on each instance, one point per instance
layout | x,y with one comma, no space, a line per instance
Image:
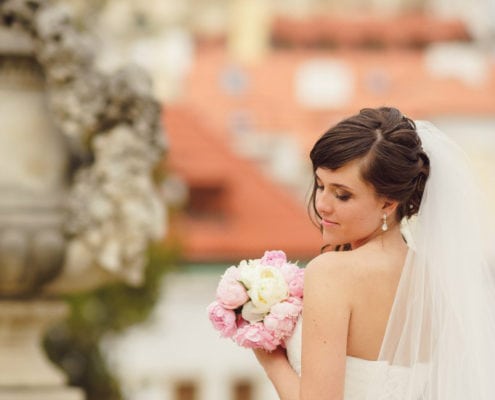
324,203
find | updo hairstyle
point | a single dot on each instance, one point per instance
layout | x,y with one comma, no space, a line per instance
392,158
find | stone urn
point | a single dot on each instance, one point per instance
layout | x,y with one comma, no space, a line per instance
78,204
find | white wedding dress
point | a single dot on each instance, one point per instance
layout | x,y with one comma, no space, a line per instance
364,379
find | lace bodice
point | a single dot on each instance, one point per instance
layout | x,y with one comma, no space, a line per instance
363,378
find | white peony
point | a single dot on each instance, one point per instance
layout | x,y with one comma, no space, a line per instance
248,272
251,314
267,288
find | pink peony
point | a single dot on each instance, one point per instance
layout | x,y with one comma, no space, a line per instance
232,273
255,336
230,292
275,258
223,320
241,322
259,301
298,301
289,271
290,308
281,328
296,284
283,318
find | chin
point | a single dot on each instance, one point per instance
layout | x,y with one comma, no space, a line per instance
333,239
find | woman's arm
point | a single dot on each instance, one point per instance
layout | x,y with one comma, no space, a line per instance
325,326
326,312
277,368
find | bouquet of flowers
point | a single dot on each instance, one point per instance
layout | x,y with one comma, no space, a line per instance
259,301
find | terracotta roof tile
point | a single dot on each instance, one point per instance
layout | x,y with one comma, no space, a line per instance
259,215
269,99
410,29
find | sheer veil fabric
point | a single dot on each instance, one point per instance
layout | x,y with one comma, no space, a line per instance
442,324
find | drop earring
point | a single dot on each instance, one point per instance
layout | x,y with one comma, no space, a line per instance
384,225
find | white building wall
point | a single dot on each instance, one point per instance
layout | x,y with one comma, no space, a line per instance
179,344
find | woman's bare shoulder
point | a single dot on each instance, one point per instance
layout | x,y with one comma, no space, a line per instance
352,266
332,270
335,263
329,262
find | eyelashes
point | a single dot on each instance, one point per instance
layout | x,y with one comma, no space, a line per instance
343,197
338,195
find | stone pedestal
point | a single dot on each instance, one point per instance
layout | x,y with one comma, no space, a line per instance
41,394
25,371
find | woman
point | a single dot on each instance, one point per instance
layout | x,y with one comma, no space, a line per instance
390,318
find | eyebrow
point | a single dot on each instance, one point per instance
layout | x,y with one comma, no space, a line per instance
338,185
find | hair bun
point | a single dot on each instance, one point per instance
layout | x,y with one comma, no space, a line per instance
419,182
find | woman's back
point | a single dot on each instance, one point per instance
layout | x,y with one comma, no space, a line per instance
375,268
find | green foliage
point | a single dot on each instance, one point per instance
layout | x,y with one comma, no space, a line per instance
74,343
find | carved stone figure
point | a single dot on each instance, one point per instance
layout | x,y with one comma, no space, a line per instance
78,202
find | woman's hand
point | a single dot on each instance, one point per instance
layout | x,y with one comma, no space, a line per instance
270,360
280,372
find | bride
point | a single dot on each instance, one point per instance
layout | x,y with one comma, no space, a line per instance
404,308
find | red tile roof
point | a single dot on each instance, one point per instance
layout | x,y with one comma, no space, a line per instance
269,98
259,214
411,29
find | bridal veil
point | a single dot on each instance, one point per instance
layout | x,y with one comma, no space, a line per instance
442,324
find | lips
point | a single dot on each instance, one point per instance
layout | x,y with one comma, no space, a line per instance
328,223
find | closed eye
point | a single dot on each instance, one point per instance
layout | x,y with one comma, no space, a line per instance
343,197
337,189
317,184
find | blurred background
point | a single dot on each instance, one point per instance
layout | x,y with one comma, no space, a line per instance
245,88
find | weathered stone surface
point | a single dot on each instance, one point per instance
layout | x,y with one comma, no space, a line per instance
42,393
33,163
23,363
112,140
78,204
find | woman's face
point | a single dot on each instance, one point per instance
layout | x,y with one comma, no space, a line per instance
349,208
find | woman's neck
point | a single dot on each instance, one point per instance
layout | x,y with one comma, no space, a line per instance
393,234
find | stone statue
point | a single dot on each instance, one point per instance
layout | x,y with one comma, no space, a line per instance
78,202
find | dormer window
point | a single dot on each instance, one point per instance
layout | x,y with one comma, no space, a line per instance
243,390
207,200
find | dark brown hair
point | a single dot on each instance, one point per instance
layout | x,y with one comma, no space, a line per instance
393,160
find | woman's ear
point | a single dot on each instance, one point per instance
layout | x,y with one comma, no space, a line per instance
389,206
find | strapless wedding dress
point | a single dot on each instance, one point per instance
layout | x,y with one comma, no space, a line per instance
364,379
